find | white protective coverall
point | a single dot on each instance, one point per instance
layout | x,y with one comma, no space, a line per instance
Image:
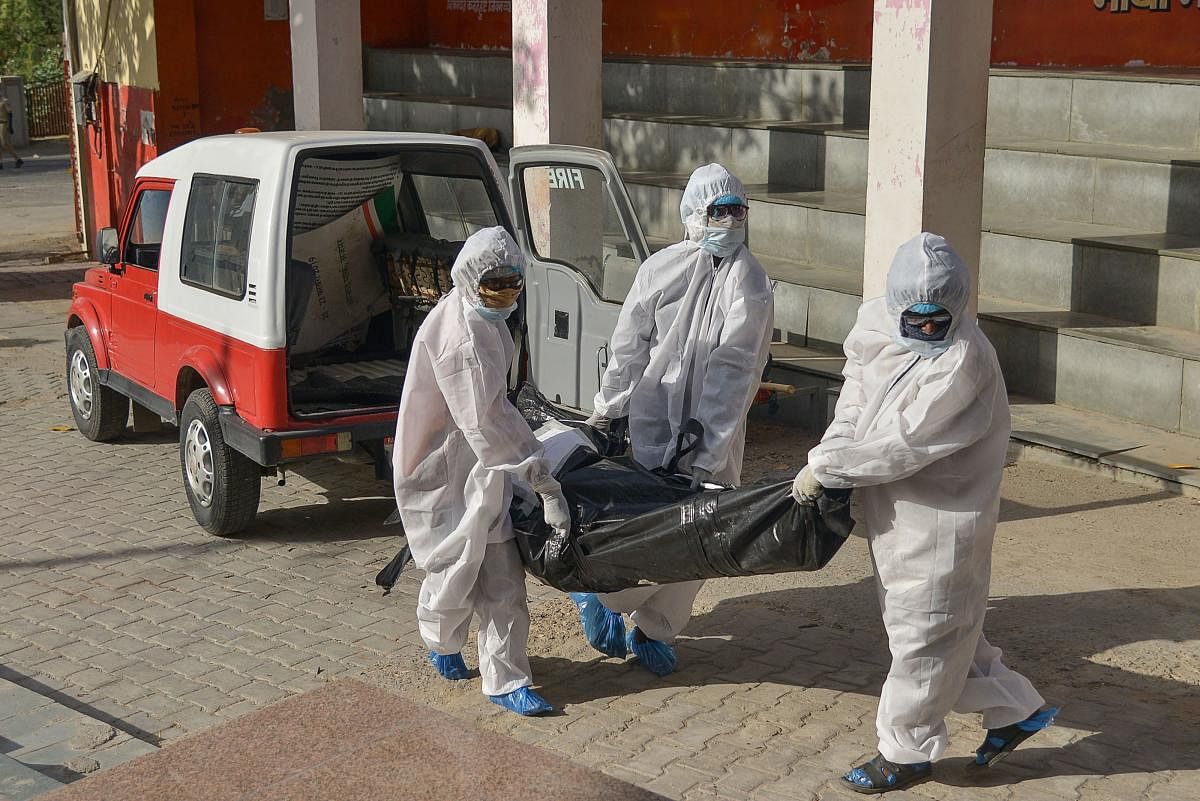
458,444
923,440
691,342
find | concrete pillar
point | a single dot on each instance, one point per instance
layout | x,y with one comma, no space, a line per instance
327,75
556,72
929,84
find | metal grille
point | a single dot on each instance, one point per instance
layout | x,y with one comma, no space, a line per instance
47,109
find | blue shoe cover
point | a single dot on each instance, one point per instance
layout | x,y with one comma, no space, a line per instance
523,701
1039,720
657,657
451,666
604,628
999,742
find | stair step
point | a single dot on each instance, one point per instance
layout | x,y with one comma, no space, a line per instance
1106,440
1150,338
1184,157
1147,107
1148,374
1147,188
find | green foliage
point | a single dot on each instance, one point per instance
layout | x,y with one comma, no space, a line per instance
31,40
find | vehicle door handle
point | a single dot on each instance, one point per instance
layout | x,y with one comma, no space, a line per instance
148,296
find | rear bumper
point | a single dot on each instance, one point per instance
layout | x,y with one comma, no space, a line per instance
266,447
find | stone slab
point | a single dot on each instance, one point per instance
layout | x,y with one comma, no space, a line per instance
1154,197
1155,115
1037,107
19,782
1139,286
1108,440
1189,421
1025,186
349,740
1069,430
1026,269
1120,381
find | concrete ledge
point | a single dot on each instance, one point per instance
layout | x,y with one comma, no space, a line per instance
1107,446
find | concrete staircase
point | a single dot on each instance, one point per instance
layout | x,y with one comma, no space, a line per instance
1090,263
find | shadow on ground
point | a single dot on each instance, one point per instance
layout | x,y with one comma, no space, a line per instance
1143,719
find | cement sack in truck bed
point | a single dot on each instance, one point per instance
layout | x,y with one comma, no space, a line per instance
348,287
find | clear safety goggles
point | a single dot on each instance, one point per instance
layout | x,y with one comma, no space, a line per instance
728,211
939,319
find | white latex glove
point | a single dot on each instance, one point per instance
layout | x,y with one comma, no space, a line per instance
554,505
806,488
600,422
700,477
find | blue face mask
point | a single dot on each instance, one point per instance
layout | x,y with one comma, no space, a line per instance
495,315
722,241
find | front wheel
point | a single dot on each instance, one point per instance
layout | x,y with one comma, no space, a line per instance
222,485
100,412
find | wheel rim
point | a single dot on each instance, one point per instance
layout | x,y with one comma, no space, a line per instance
81,385
198,462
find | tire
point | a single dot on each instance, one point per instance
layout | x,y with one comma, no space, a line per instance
222,485
100,412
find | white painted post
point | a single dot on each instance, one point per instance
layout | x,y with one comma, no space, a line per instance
556,72
327,79
929,84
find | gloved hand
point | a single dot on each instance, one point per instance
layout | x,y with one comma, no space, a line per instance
806,488
600,422
700,477
554,505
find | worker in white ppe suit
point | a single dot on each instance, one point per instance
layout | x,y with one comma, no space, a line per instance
920,432
691,342
459,444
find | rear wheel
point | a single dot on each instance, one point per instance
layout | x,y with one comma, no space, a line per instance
100,412
222,485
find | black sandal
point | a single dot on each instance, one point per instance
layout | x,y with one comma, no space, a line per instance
1000,742
879,775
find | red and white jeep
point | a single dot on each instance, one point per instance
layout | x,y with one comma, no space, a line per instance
263,290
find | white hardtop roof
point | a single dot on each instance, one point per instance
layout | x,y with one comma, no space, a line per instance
212,154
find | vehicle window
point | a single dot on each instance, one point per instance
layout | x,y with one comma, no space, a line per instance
144,239
572,219
216,236
454,208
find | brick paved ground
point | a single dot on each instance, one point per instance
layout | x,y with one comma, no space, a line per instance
113,601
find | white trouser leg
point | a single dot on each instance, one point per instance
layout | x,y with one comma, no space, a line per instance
445,604
500,603
1003,695
932,644
660,612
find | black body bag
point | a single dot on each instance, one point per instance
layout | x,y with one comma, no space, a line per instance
633,526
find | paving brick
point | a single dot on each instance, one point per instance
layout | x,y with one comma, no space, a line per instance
654,758
260,693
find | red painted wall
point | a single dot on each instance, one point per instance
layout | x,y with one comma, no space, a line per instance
1065,33
1077,34
116,149
244,64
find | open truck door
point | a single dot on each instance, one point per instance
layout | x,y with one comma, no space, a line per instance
575,221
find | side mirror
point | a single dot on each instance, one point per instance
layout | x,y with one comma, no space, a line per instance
107,250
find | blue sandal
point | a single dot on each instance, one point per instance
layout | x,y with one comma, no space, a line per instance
880,775
1000,742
